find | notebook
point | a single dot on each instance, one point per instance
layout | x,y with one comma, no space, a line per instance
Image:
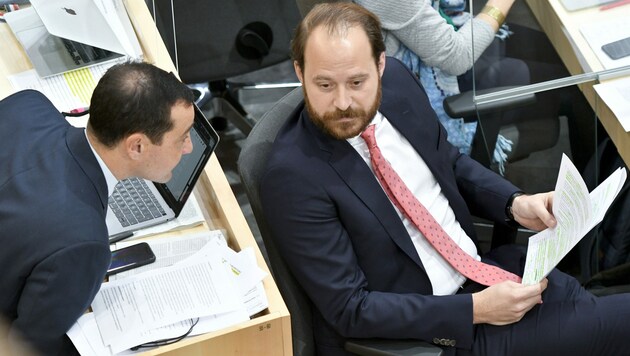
64,35
156,203
574,5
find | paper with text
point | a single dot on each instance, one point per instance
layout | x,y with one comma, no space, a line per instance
169,250
576,212
164,296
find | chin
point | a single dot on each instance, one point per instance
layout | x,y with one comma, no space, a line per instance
164,179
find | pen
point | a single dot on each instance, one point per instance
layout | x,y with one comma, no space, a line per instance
614,4
120,236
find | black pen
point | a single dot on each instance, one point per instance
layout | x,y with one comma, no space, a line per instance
120,236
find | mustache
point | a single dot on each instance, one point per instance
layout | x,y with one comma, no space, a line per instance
348,113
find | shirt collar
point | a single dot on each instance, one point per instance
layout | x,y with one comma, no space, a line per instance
378,118
109,176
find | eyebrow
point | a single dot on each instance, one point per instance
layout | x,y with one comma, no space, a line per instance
188,130
359,76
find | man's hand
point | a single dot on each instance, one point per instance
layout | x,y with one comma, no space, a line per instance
506,302
534,211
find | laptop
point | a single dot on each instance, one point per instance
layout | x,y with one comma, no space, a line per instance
63,35
138,203
574,5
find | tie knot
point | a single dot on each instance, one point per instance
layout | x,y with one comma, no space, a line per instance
368,136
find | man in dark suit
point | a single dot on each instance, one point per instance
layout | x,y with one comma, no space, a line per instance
368,268
54,188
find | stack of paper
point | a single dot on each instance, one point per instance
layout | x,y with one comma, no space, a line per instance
211,287
576,212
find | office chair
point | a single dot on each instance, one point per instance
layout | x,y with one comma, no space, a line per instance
212,40
251,164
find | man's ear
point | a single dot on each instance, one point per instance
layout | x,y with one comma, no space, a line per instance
298,72
381,64
135,145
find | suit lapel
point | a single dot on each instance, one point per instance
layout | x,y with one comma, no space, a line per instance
82,153
359,178
408,122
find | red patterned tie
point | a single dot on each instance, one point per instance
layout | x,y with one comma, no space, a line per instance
419,215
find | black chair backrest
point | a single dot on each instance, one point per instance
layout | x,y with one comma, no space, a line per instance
251,165
217,39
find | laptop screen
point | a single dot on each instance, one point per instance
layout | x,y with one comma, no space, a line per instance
185,174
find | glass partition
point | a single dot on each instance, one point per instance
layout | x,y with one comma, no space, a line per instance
533,89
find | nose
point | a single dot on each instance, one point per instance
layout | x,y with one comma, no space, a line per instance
343,100
188,147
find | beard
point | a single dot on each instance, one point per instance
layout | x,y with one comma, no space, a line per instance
341,130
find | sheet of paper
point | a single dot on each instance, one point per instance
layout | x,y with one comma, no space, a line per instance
616,94
86,337
67,91
576,212
246,273
199,326
190,216
601,32
169,250
164,296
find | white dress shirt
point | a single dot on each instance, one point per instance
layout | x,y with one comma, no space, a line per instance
416,174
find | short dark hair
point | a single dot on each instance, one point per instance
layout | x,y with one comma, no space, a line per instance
337,17
135,97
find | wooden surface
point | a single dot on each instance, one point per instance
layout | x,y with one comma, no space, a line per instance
562,28
270,332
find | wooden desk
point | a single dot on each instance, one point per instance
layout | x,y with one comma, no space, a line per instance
267,334
562,28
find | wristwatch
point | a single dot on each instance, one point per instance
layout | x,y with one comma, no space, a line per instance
508,209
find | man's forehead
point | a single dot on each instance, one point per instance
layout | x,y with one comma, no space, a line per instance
182,116
334,50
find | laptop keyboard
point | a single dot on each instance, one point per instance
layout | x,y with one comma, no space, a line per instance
132,202
82,53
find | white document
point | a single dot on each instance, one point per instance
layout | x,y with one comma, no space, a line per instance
599,33
67,91
240,269
190,216
129,307
576,212
616,94
246,273
172,249
86,337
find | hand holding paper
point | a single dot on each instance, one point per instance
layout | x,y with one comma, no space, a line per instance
576,212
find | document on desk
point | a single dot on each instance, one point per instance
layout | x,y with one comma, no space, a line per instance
616,94
576,212
86,337
600,33
178,249
67,91
127,308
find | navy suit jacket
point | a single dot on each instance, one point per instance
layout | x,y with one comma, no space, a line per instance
342,238
53,197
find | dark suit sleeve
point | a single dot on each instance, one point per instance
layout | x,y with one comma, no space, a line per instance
310,234
61,288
